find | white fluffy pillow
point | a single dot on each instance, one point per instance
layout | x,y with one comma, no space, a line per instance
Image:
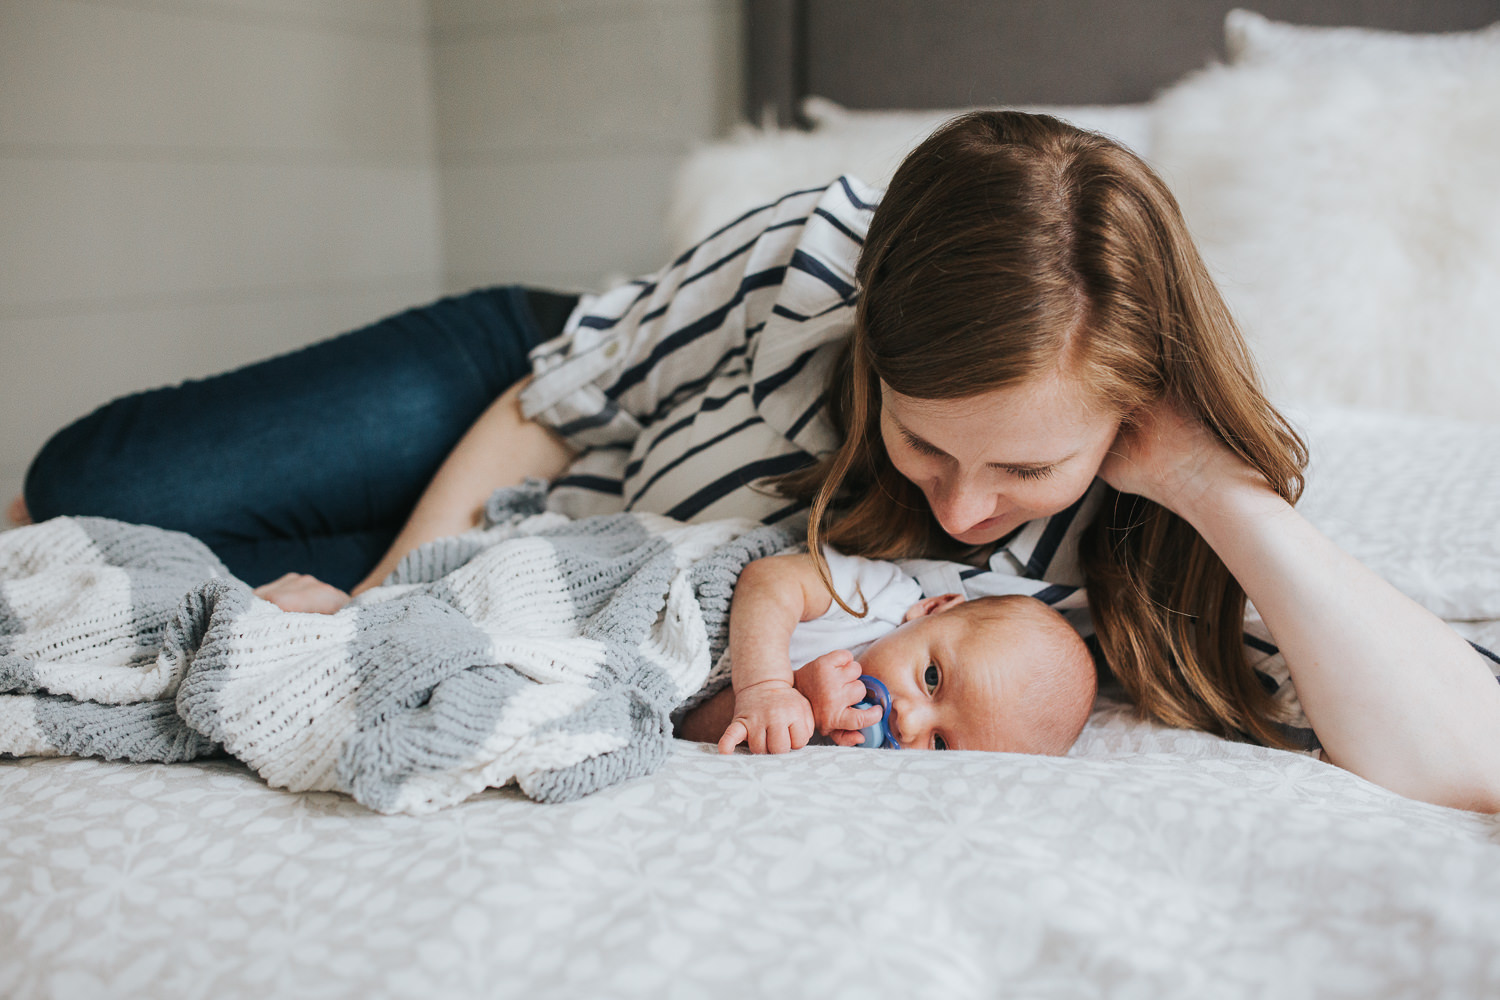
1415,499
1351,211
1251,38
754,166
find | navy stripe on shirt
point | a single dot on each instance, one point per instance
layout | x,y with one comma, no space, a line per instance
1056,592
756,211
689,453
783,513
831,219
737,479
1052,537
1257,643
807,415
853,198
771,383
696,385
769,278
596,484
808,264
1485,653
709,405
600,419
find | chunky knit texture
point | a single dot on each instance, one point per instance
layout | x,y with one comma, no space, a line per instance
537,650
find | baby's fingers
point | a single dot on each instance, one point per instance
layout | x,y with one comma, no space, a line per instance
837,659
847,737
778,740
733,736
857,718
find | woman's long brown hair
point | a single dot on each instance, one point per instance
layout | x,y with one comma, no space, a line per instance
1010,246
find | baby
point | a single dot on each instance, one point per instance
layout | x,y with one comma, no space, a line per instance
996,673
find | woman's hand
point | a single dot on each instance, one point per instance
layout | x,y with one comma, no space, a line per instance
831,686
1166,456
771,716
300,592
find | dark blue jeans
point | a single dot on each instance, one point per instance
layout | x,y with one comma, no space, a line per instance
308,462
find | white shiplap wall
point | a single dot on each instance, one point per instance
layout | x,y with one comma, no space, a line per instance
561,124
186,185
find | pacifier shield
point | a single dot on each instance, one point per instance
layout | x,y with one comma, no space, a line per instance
878,734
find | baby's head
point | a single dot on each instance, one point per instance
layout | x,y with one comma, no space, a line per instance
995,673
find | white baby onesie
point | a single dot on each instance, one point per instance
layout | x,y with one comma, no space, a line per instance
881,585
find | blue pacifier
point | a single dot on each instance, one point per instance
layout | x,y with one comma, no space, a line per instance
877,734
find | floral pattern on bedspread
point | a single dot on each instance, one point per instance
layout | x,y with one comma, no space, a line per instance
1153,863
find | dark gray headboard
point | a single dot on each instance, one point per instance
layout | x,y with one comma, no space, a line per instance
960,53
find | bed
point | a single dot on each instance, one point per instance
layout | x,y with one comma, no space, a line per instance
1149,862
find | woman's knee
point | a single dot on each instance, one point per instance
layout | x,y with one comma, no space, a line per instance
82,470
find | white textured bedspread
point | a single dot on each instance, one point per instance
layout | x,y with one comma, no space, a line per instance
1157,864
1151,863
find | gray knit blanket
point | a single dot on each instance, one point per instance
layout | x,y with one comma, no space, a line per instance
537,650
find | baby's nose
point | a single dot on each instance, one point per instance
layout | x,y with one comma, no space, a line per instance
913,720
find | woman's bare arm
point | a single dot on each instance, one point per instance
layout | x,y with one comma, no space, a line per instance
502,448
1394,694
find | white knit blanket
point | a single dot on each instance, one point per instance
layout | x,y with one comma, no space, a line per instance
537,650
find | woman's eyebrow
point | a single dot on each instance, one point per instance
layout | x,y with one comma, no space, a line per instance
922,442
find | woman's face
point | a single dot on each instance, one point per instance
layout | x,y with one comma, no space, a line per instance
989,463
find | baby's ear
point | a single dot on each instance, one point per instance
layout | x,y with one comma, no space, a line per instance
931,606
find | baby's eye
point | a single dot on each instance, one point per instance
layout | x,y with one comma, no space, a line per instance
938,743
930,677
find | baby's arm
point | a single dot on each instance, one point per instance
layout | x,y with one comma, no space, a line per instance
772,597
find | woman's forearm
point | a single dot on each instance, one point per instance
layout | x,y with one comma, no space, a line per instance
502,448
1394,694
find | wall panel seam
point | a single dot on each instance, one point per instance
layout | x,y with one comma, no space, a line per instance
267,156
417,34
448,34
603,149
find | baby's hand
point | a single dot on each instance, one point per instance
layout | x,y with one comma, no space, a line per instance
771,716
831,685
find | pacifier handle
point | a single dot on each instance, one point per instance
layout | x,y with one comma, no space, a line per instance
878,733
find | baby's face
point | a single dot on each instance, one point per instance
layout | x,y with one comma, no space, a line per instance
948,676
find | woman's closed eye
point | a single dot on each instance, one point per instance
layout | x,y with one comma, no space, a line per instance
1026,473
921,447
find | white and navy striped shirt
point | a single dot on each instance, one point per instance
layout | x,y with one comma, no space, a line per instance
683,388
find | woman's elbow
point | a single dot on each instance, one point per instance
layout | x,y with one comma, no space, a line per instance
1465,778
1481,795
1473,785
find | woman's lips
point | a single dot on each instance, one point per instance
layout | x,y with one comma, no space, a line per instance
987,526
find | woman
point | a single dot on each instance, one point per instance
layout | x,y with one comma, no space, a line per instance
1039,371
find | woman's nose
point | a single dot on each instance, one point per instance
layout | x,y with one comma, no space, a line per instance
958,507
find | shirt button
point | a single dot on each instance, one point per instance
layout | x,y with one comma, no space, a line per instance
612,348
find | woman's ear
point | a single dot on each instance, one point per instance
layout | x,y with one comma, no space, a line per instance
931,606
